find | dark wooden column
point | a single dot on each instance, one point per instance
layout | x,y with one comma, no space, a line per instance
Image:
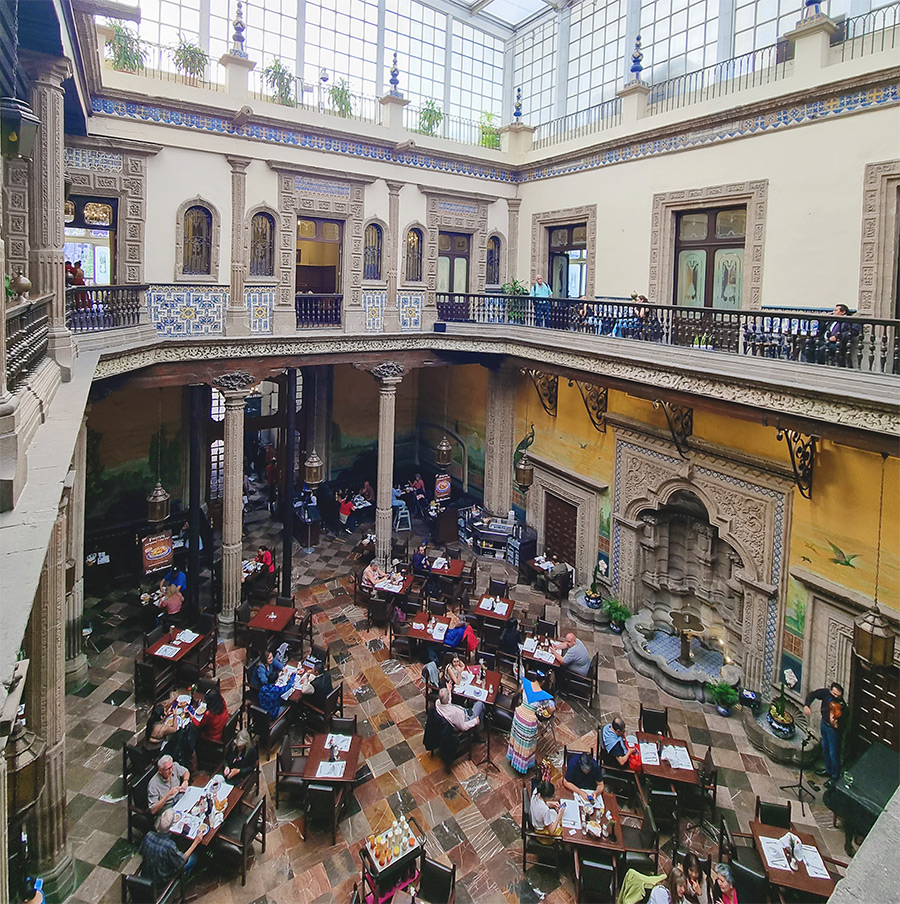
197,418
287,490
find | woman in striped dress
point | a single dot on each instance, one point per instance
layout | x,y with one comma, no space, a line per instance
523,735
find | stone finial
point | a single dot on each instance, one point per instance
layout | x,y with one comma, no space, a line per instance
812,9
517,108
238,36
395,78
636,58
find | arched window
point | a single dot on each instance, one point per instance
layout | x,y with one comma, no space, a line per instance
372,252
414,245
216,469
262,245
198,224
493,261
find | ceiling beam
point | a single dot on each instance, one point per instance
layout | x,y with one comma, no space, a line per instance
108,8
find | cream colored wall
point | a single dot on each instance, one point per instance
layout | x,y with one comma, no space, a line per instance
814,219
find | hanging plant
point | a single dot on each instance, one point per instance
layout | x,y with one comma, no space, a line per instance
341,99
190,59
126,50
490,133
430,117
281,81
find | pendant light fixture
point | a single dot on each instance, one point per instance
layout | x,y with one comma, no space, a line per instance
158,500
873,637
524,470
18,124
314,467
443,454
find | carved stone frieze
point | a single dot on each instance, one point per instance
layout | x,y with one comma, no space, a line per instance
880,224
661,282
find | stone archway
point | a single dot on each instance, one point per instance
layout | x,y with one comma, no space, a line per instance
747,504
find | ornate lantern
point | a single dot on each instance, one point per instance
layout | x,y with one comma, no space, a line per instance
873,639
524,472
157,504
313,470
443,453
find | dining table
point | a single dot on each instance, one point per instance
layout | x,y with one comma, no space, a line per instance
452,568
420,630
272,618
474,689
395,588
580,836
195,792
665,768
342,770
810,877
496,608
174,646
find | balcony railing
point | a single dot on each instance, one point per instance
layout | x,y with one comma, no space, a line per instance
157,63
316,98
585,122
869,33
90,309
821,338
453,128
314,311
27,333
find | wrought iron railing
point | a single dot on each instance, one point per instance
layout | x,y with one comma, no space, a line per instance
423,121
584,122
759,67
857,343
317,99
90,309
156,61
871,32
318,310
27,333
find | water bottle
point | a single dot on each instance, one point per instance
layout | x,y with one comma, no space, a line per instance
659,744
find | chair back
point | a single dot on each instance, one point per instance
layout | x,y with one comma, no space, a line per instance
649,833
490,637
254,824
598,878
748,884
151,637
260,724
452,552
207,623
285,757
570,755
344,726
437,607
437,882
231,727
654,721
770,814
322,654
664,804
205,685
497,587
545,628
321,801
138,890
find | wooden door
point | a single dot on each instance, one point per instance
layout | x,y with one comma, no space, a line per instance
875,709
560,528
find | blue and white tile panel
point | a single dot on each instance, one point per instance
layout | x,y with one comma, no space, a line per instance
97,161
260,302
181,311
373,307
410,305
310,186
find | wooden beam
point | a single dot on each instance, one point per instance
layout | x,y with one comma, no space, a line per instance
108,8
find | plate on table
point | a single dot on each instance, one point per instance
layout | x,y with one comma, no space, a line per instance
145,597
183,699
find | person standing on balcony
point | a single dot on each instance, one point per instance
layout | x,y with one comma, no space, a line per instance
839,336
540,290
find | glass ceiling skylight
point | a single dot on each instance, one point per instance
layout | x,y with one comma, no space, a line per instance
511,12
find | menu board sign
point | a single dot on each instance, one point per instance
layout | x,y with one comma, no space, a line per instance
442,486
157,552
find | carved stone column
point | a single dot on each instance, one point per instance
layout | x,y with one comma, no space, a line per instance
76,661
237,318
500,439
46,202
391,255
389,375
4,833
753,633
626,577
235,386
512,264
46,716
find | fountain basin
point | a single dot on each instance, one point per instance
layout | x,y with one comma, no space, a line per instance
582,612
778,747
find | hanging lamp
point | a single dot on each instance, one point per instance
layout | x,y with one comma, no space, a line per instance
18,124
314,467
158,501
443,453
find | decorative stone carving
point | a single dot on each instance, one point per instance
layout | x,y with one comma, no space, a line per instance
877,267
236,320
15,215
661,283
542,222
213,275
499,439
512,255
387,370
234,381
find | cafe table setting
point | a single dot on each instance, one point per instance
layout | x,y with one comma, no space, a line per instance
204,808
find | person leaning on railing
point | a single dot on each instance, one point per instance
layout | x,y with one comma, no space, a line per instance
839,337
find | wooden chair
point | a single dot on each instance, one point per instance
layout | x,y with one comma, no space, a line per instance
289,766
505,707
489,660
584,686
398,642
378,610
745,853
654,721
265,729
318,718
325,804
138,815
545,628
778,815
559,588
137,889
497,587
245,825
437,606
694,800
620,779
151,637
242,616
211,754
250,687
152,682
453,552
641,841
296,634
344,726
595,876
490,637
534,843
323,654
437,883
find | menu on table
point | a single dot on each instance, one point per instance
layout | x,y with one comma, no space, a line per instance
487,604
815,865
649,754
544,656
167,650
530,644
678,757
340,741
331,770
187,636
774,853
440,631
500,607
473,692
571,815
440,563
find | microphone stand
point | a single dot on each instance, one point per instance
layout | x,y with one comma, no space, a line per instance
798,787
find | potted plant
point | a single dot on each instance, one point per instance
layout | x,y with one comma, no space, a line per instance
341,99
125,46
618,615
723,695
189,59
490,134
515,313
281,80
778,717
430,117
594,596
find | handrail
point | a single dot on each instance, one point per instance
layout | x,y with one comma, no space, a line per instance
157,63
821,338
91,309
871,32
27,337
322,310
597,118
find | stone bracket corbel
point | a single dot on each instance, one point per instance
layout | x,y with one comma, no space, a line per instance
547,386
802,450
595,400
681,424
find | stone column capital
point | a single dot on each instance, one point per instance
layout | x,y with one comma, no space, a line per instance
45,69
237,164
513,203
389,374
235,384
394,187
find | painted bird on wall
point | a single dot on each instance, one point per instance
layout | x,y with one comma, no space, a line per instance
840,557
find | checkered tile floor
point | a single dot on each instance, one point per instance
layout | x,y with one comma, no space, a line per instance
471,814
